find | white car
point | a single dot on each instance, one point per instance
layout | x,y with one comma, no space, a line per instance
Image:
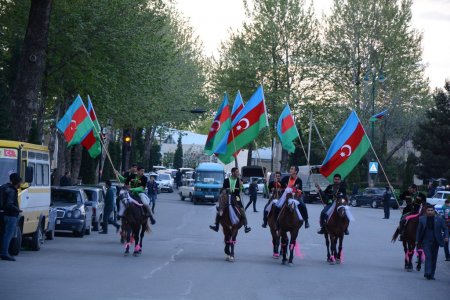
187,189
260,183
439,198
165,183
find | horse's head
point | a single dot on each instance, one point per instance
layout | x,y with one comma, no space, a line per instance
123,197
341,202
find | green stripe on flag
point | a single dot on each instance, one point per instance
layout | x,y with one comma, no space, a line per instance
82,129
287,139
95,150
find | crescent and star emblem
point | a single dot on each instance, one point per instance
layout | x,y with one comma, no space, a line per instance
215,127
247,123
73,127
343,154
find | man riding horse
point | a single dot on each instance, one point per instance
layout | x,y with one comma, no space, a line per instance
276,190
414,202
233,185
137,182
329,196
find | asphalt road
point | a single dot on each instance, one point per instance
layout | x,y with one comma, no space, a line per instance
183,259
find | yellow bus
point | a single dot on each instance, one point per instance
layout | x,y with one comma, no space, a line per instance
32,162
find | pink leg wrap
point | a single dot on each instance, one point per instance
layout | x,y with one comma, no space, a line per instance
298,252
137,248
127,245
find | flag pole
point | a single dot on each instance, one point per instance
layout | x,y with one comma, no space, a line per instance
381,166
236,163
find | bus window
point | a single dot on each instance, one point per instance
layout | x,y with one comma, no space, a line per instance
39,156
46,175
38,174
34,167
31,155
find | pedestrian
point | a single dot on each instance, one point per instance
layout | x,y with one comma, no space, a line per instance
109,208
386,199
446,213
65,180
430,190
152,191
178,177
429,235
253,193
11,211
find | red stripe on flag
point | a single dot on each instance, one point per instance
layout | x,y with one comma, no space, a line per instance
252,117
92,115
337,159
238,110
89,140
78,117
287,123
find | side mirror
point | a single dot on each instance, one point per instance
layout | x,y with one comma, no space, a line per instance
29,172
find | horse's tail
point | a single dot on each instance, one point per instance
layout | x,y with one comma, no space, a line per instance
396,234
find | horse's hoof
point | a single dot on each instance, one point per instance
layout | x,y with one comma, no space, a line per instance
409,270
126,253
135,254
231,259
227,258
276,255
283,262
418,268
338,261
291,264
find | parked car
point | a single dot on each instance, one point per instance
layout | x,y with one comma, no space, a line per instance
71,213
373,197
165,183
260,182
187,190
439,198
50,232
95,204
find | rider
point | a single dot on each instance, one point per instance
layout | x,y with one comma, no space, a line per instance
331,193
233,185
294,182
137,182
276,190
414,201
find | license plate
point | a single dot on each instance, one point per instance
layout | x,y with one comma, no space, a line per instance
209,196
58,222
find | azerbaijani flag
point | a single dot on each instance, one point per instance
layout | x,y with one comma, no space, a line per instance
75,124
92,140
238,105
286,129
348,147
219,127
378,116
245,127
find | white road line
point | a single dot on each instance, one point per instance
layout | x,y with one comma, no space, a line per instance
172,259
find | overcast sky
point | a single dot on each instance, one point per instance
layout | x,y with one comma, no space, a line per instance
212,20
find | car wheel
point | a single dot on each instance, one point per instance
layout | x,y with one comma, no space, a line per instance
80,233
354,203
191,197
246,191
37,238
374,204
194,200
16,243
171,191
50,235
182,197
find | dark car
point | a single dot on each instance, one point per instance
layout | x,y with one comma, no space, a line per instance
373,197
95,204
71,213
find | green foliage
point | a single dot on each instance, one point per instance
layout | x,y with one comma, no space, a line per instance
88,168
178,156
116,155
432,138
155,155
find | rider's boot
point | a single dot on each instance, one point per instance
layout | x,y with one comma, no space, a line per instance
322,224
264,224
215,227
244,220
306,223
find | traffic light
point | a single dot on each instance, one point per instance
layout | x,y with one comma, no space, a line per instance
127,139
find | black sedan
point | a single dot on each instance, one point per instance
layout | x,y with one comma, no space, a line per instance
373,197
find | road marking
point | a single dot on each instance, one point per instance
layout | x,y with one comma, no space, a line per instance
172,259
189,288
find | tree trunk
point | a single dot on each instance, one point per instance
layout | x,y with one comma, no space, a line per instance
75,155
249,155
149,137
26,92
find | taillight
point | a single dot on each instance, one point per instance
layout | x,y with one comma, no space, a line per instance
94,211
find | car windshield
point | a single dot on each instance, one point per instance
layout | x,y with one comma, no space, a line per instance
375,191
65,196
164,177
91,194
209,177
7,166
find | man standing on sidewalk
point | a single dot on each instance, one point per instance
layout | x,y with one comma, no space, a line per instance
386,199
11,211
110,201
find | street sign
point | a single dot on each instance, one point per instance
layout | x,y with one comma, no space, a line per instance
373,167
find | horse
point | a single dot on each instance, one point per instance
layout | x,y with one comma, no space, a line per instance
334,231
134,222
272,222
289,221
409,242
231,221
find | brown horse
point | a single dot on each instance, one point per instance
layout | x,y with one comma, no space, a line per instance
272,222
228,207
288,221
409,243
334,232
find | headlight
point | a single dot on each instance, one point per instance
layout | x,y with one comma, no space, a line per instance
69,214
76,213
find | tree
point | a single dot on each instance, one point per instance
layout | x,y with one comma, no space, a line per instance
178,156
432,138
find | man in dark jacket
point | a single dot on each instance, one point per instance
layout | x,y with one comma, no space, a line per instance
65,180
331,193
386,199
275,190
11,212
253,193
429,234
233,185
110,201
294,182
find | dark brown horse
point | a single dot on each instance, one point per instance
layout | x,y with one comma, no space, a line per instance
134,223
409,243
289,222
272,222
230,212
334,232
